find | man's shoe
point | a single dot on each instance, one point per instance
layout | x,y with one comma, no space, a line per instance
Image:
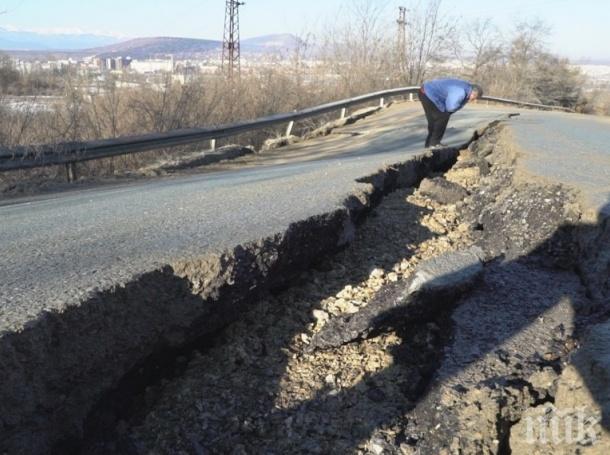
438,146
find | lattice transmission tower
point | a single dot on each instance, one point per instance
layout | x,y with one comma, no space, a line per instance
231,47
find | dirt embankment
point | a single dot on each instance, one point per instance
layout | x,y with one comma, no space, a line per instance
484,373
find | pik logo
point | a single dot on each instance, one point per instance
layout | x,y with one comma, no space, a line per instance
568,426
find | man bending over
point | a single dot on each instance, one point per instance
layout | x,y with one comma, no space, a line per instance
441,98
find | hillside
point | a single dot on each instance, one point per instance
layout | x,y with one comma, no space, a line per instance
158,46
138,48
185,47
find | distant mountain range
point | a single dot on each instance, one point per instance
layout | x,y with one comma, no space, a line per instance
158,46
188,47
32,41
592,61
38,44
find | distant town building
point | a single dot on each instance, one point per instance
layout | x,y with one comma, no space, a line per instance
153,66
110,63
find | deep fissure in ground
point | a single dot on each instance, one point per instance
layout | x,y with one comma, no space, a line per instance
458,382
139,389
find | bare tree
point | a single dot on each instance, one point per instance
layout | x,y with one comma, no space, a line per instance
69,120
431,37
555,83
358,51
527,45
484,49
9,76
106,110
520,68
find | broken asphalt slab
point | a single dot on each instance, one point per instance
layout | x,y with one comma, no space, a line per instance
442,191
433,287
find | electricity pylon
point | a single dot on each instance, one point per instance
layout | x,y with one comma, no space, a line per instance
231,47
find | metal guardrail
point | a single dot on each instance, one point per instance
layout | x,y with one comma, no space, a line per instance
71,152
68,153
524,104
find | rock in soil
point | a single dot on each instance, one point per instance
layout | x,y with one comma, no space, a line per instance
442,190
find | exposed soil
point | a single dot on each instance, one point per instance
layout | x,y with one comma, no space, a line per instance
459,381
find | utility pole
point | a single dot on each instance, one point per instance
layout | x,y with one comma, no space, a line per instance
231,46
402,38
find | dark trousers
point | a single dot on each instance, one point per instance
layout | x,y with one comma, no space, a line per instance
437,121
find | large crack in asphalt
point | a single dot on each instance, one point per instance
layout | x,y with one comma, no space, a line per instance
457,378
219,354
63,368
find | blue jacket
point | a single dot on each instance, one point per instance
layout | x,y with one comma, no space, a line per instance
448,95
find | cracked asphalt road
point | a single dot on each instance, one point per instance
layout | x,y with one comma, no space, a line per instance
57,249
570,148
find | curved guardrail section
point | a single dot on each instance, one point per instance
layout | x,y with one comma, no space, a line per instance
524,104
26,157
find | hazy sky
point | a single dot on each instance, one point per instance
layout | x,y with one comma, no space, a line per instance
579,28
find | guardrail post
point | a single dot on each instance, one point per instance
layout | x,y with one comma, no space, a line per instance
411,98
71,172
289,129
381,102
343,113
212,144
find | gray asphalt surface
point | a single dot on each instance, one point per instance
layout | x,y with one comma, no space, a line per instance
570,148
57,249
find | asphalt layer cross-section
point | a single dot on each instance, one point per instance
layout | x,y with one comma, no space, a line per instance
57,249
